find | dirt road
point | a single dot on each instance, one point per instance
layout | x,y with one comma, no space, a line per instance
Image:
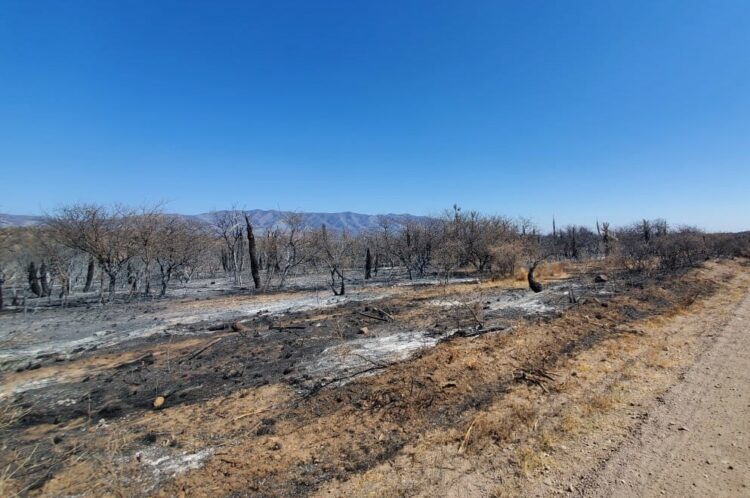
697,440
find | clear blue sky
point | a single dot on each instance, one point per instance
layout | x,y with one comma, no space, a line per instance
585,110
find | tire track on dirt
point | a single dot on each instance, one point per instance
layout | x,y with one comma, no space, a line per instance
697,441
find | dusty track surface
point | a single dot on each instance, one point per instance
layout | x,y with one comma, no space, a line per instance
696,442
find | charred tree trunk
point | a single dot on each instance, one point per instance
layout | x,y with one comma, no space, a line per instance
2,282
43,280
34,280
166,276
533,283
254,265
377,263
368,265
132,279
89,275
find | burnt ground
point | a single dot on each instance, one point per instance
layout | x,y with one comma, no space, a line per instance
363,373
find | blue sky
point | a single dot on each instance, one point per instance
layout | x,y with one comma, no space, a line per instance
585,110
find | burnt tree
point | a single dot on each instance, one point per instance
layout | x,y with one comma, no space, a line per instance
89,274
254,266
368,265
534,283
43,281
34,280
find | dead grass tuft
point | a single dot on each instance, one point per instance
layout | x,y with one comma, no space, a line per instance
530,460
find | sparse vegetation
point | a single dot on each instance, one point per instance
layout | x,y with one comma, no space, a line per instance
458,366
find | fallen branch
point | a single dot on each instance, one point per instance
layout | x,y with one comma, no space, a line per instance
183,391
473,332
387,315
533,376
147,358
373,316
288,327
215,341
369,360
473,312
323,385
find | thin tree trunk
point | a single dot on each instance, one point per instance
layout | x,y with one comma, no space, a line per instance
89,275
368,265
147,277
101,285
165,277
254,266
112,284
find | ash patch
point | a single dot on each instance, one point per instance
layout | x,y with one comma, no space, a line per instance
359,355
160,463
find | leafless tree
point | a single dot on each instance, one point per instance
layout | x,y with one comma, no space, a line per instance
104,233
410,244
606,237
146,227
229,226
295,248
180,245
335,251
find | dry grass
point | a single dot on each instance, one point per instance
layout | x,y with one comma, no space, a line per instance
404,432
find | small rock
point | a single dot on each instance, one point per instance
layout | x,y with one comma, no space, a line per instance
159,402
238,327
363,331
601,278
570,489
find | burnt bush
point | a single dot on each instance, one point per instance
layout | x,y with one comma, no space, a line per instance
685,247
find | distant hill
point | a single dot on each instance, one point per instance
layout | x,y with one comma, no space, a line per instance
264,219
19,220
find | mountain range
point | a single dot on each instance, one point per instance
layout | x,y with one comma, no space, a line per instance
265,219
